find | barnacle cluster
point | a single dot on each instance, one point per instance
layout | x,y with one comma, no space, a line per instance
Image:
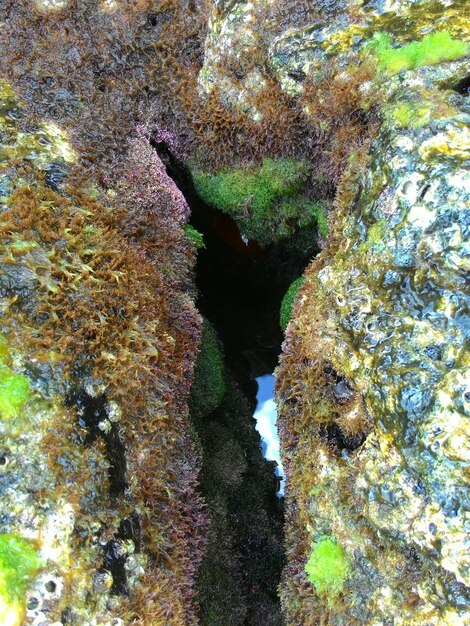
371,380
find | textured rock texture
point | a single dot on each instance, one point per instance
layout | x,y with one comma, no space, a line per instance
373,386
100,521
248,41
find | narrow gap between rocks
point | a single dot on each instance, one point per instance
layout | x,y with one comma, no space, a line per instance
240,287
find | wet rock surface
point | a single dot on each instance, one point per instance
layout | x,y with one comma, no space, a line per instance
103,523
97,469
386,308
248,41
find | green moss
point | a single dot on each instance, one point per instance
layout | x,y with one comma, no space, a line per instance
327,567
194,236
14,391
18,563
434,48
267,202
209,386
288,301
321,220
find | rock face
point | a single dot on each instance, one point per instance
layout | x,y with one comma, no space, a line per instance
374,383
100,521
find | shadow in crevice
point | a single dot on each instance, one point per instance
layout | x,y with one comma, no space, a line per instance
240,287
92,415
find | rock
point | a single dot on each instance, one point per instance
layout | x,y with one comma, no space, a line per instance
387,308
85,394
246,42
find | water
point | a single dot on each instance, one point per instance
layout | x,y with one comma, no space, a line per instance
266,416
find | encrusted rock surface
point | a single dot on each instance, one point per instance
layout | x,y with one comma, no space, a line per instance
98,340
383,313
247,41
101,522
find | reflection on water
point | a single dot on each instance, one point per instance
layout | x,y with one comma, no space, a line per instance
265,416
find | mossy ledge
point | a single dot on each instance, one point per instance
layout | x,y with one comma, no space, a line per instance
267,201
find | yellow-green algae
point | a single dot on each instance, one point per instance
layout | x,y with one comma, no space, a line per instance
434,48
14,391
405,24
40,147
14,388
194,236
19,561
412,22
327,567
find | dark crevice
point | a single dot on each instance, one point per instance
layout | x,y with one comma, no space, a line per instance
463,86
340,442
92,415
240,286
130,529
115,554
114,561
55,176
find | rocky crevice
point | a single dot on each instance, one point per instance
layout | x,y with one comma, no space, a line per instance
240,287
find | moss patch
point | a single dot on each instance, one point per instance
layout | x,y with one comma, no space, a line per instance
288,301
209,386
18,563
434,48
410,116
14,391
327,567
267,202
194,236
